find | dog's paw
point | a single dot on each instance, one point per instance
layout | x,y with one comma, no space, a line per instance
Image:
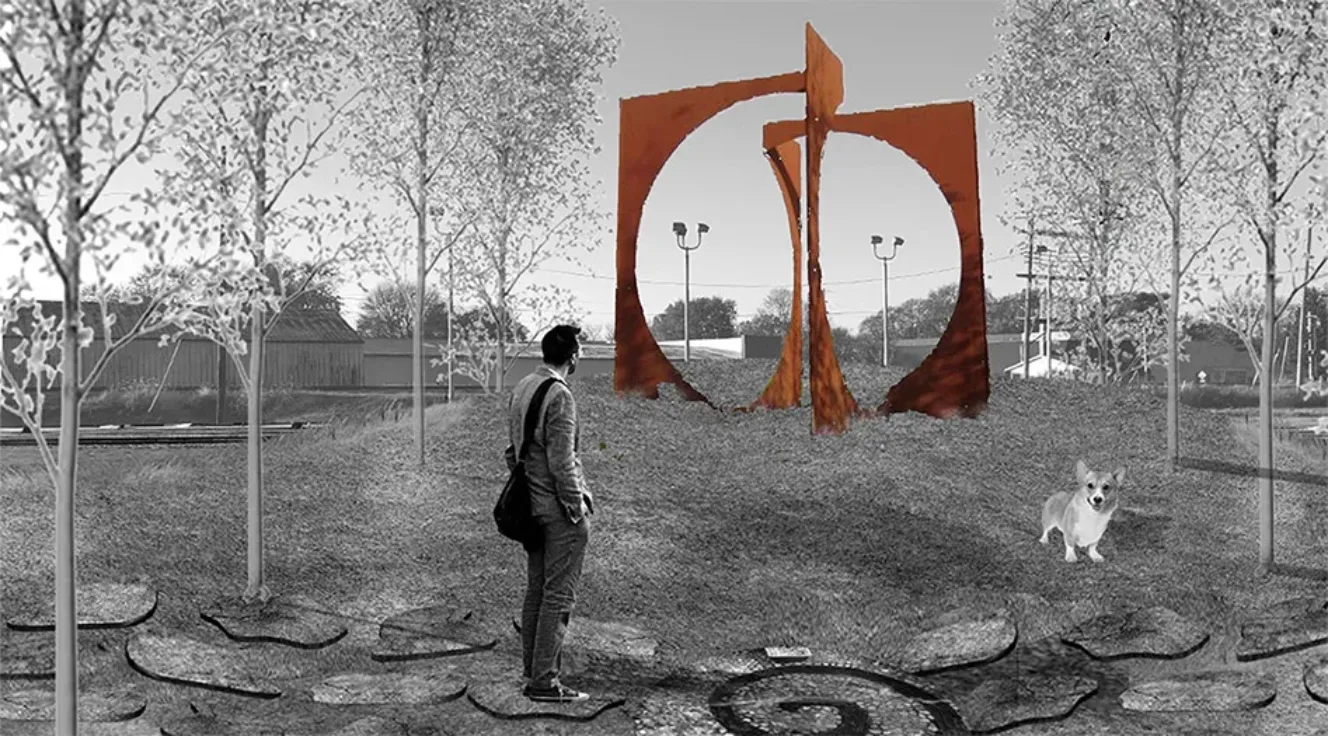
1095,557
1071,557
1044,540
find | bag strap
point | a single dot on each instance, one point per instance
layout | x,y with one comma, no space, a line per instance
532,416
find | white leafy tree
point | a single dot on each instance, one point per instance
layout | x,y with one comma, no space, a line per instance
1059,89
251,129
534,121
1277,96
420,58
82,95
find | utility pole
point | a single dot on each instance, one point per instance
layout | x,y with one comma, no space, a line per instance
1046,325
1028,299
1304,294
222,378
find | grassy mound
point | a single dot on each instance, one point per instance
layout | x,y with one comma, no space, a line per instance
715,530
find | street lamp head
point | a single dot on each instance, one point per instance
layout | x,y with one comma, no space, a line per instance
898,241
702,228
876,240
680,229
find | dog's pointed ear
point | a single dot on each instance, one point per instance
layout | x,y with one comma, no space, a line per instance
1119,475
1081,471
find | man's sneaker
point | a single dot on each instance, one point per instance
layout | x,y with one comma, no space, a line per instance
555,694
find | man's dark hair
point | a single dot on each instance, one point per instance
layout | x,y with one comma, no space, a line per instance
560,344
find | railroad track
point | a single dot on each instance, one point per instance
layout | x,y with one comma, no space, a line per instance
166,434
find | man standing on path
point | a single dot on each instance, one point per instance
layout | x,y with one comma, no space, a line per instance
560,503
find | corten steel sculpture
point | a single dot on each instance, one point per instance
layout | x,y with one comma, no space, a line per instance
942,138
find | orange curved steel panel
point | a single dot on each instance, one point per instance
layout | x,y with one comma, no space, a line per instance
832,404
955,378
651,128
785,387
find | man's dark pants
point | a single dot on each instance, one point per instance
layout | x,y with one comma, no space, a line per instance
552,573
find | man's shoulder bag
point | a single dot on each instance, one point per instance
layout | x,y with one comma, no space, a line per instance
512,512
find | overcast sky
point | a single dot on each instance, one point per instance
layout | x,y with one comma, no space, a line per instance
895,53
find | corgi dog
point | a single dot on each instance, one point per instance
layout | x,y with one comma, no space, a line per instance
1082,516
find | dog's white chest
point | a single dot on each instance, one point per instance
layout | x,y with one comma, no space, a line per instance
1090,526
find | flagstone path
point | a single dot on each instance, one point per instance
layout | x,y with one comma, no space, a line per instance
455,671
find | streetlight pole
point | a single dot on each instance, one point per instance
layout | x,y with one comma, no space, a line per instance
680,230
876,242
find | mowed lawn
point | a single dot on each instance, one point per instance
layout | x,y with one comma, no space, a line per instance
714,531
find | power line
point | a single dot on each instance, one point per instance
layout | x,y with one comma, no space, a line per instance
767,285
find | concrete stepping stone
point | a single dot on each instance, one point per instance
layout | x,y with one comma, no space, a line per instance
503,699
292,620
955,641
1004,702
190,662
435,631
1287,626
609,649
136,727
1204,691
120,704
97,606
1316,680
209,725
1150,632
396,688
27,655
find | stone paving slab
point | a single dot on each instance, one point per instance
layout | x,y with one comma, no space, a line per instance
201,725
955,644
503,699
137,727
1316,680
120,704
1206,691
435,631
292,620
97,606
1001,703
1151,632
27,655
395,688
190,662
610,649
1284,627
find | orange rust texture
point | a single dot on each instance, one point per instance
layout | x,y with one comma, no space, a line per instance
785,387
832,404
942,138
651,128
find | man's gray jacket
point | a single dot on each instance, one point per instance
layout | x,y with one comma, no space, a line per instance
553,468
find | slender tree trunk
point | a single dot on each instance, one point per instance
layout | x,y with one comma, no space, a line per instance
66,616
422,237
1266,542
1173,302
257,588
500,368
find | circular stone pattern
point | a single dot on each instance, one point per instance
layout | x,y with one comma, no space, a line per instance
827,699
1316,680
